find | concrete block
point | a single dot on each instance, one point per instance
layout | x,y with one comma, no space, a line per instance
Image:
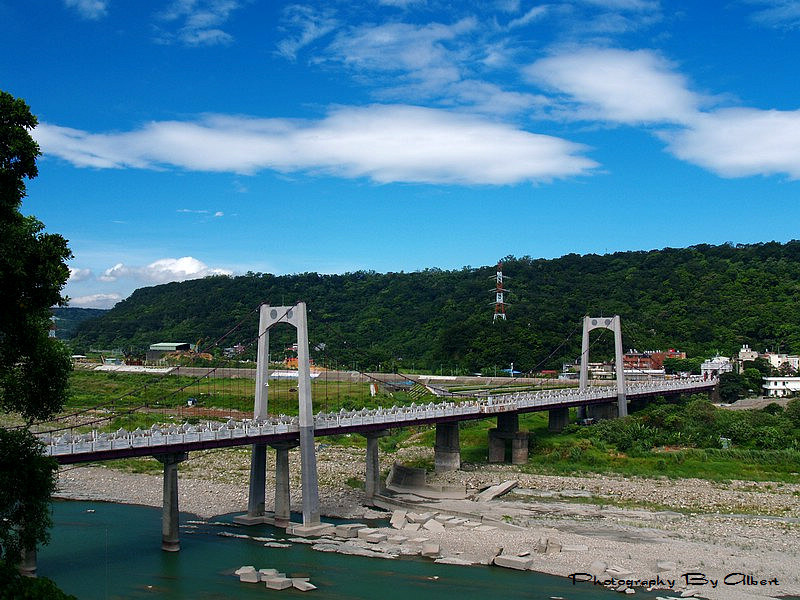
265,574
302,584
666,565
521,563
278,583
397,539
366,531
618,572
349,530
398,519
553,546
310,530
433,525
411,527
245,569
375,538
431,550
597,568
249,577
494,491
443,518
420,517
574,548
452,560
454,522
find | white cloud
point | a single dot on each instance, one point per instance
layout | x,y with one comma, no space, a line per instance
308,24
89,9
76,275
198,22
783,14
618,85
739,142
534,14
95,301
385,143
163,271
219,213
420,50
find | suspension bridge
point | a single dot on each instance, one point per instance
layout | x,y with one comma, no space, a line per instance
170,443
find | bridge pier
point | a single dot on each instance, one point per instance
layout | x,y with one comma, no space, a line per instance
256,498
508,429
557,419
600,412
27,563
372,479
170,539
447,449
282,512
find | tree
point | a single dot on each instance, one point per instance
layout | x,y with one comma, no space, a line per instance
732,386
34,368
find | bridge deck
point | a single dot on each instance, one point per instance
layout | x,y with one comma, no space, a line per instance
95,446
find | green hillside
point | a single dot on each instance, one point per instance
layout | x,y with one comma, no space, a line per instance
68,319
700,299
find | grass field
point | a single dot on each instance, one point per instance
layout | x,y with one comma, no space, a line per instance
566,453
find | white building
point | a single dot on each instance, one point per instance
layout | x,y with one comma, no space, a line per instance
713,367
781,386
746,354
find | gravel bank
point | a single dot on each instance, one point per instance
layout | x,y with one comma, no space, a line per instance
702,527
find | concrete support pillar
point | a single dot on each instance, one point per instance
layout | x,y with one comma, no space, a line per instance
519,448
27,565
497,447
372,479
557,419
258,482
170,539
447,449
508,429
603,411
282,492
508,422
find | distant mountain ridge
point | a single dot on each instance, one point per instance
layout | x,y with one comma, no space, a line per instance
701,299
67,319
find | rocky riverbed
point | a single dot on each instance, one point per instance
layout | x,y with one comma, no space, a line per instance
635,528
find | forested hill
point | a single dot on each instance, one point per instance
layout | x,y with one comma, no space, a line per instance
700,299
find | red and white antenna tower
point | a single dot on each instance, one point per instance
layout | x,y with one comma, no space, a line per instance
499,304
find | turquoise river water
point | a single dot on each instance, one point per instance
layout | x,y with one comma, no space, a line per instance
112,551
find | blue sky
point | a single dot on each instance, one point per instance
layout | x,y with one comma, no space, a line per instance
183,138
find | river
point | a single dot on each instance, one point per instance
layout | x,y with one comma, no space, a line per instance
104,551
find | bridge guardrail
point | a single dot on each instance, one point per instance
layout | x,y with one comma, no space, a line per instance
167,435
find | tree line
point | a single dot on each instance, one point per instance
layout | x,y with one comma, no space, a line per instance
702,299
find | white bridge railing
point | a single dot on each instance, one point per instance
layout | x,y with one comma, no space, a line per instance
163,436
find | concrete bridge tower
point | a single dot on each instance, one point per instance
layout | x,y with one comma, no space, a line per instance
295,316
612,323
